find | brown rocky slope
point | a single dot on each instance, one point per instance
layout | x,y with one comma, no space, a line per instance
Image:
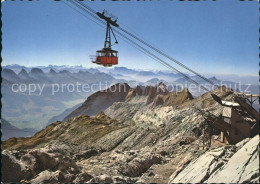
117,93
100,100
150,97
82,130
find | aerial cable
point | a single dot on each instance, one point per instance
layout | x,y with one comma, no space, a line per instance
86,11
118,36
121,23
165,55
161,61
155,49
94,12
87,7
145,50
83,14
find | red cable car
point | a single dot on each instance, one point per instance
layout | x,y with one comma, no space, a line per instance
107,57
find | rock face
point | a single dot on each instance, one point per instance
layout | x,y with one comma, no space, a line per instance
242,167
150,97
153,91
43,165
158,100
101,100
177,98
122,103
12,169
134,92
126,110
140,165
231,164
206,100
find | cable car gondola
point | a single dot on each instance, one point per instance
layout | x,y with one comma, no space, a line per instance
107,57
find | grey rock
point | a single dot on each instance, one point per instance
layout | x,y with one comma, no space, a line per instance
223,165
50,177
140,165
12,169
102,179
82,177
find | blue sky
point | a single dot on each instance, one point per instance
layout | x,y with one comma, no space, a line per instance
210,37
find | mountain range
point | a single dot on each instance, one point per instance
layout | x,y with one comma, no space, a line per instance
37,111
34,108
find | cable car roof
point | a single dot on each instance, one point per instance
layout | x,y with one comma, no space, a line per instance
106,50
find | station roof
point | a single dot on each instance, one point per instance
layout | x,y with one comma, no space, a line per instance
230,104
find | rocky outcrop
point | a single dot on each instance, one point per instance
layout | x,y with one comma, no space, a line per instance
27,164
126,110
206,100
242,167
137,100
153,91
125,105
229,164
140,165
102,179
50,177
158,96
177,98
158,100
174,98
134,92
101,100
12,169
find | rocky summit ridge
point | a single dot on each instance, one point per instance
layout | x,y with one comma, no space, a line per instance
122,101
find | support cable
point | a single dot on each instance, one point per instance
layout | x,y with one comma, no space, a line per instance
142,48
157,50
